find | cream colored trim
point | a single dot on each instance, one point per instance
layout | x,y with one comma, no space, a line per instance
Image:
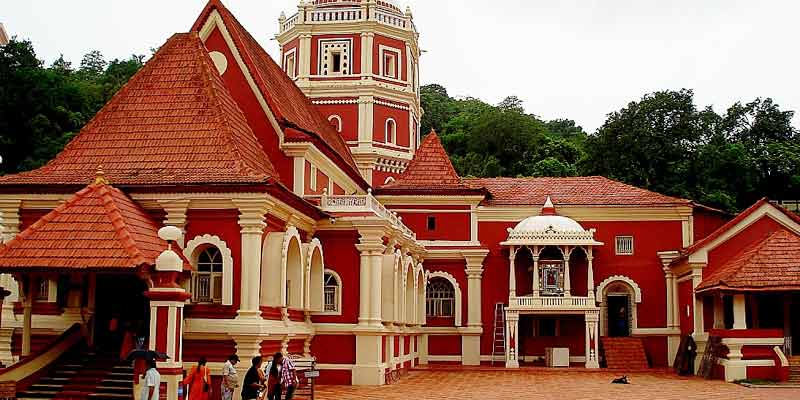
435,358
700,255
429,211
314,280
338,119
601,288
749,363
753,341
434,200
189,251
656,331
309,152
457,292
344,367
600,213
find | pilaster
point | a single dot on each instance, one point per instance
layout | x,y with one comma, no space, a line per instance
252,213
592,319
176,216
471,344
512,339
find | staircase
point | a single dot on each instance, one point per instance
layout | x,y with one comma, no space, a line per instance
83,375
794,370
624,353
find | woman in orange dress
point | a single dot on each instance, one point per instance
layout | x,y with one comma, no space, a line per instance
199,381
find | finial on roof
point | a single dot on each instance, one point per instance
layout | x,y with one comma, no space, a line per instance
548,208
100,176
168,260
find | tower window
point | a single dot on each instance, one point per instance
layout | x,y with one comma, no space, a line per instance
431,223
290,64
440,298
389,65
334,57
391,131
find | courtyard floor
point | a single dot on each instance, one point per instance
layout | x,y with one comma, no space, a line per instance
548,384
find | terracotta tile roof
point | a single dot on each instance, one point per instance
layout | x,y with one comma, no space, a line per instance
584,190
735,221
770,264
174,122
286,101
429,172
98,228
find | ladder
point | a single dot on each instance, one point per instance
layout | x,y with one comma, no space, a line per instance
499,338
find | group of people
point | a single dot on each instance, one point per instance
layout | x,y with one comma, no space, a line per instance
277,379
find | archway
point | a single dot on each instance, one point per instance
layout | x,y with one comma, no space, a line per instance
409,293
618,296
315,276
294,274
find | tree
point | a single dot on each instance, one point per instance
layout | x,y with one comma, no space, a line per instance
93,64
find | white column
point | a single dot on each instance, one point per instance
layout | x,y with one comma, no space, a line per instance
739,313
176,216
376,262
592,341
27,315
512,339
371,248
567,285
590,276
304,58
471,344
697,277
535,277
512,279
668,277
719,311
252,214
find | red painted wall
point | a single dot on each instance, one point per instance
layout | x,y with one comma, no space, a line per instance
243,94
449,226
686,306
347,112
753,233
395,44
334,349
444,345
381,113
225,225
706,222
342,256
355,62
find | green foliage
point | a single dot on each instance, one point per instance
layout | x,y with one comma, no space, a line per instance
662,142
42,108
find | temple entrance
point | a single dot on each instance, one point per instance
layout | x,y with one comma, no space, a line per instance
120,309
618,315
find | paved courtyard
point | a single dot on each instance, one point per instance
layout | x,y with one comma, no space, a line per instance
545,384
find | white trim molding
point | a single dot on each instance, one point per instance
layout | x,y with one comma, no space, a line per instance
621,278
457,290
190,252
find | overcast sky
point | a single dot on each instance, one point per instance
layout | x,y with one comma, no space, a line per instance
578,59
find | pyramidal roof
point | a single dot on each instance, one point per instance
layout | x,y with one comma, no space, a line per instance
173,123
430,172
293,110
770,264
99,228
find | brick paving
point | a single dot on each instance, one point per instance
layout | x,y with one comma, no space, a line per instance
546,384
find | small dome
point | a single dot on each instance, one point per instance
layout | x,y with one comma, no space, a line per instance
548,220
543,223
168,260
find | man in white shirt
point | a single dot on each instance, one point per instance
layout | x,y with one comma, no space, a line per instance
230,379
152,382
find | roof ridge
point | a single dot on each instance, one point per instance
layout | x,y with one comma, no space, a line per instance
121,228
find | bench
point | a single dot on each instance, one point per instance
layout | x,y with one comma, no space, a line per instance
307,373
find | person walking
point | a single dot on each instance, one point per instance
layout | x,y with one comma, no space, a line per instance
152,382
274,378
199,381
288,374
230,378
253,382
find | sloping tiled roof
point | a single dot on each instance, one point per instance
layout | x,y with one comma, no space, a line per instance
770,264
735,221
429,172
173,123
286,101
584,190
99,228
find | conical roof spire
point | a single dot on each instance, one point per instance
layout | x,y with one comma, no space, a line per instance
548,208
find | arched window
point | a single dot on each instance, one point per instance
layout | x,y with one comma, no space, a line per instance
207,281
391,131
332,293
336,121
440,298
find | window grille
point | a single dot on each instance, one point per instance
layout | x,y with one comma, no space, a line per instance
331,292
440,301
624,245
207,282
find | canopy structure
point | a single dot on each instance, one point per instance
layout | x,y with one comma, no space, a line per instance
550,229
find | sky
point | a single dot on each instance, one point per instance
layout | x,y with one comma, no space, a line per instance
576,59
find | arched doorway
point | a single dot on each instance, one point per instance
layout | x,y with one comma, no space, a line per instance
618,298
120,306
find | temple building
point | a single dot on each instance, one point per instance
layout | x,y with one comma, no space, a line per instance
224,202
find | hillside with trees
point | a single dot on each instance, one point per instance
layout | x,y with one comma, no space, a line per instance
663,142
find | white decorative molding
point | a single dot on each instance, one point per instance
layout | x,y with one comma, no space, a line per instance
292,235
190,252
637,292
338,120
220,62
314,280
456,287
392,105
334,102
338,280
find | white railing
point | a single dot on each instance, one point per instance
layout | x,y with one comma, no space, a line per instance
551,303
332,15
364,203
550,236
